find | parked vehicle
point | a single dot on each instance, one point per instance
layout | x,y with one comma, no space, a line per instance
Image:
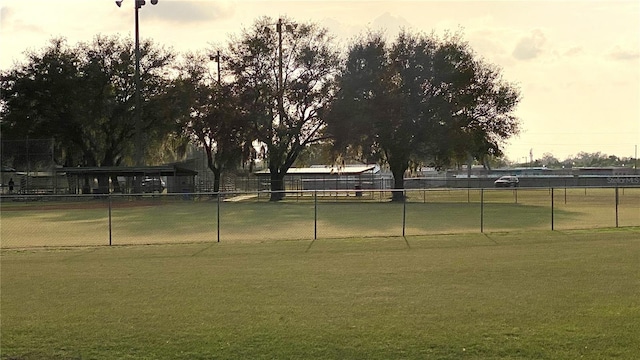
150,185
507,181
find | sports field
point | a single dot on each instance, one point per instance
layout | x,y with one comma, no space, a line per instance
120,220
519,295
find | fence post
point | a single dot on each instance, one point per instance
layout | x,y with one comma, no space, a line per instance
404,211
218,221
315,215
482,210
617,202
110,233
552,208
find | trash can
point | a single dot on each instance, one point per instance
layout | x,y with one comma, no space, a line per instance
358,190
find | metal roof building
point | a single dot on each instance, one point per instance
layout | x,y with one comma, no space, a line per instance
100,179
329,177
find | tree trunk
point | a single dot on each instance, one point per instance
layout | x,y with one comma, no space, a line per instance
216,170
277,185
398,181
216,179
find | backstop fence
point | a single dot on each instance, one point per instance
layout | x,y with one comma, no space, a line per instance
33,157
117,219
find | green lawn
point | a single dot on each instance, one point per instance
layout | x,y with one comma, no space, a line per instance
171,219
520,295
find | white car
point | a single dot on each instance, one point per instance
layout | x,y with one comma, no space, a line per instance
507,181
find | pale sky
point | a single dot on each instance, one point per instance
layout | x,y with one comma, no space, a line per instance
577,63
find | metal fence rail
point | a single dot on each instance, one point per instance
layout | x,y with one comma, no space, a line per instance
115,219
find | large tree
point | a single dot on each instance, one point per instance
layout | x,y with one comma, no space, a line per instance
479,106
284,70
83,96
420,99
211,114
39,97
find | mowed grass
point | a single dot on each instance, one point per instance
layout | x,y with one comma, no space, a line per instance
523,295
171,219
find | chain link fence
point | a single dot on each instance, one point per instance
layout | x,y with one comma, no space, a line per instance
27,165
116,219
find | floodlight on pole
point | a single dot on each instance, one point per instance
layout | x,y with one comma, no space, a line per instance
139,156
280,80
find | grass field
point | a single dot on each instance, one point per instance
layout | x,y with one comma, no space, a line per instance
519,295
171,219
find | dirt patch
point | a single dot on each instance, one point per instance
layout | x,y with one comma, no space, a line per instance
241,198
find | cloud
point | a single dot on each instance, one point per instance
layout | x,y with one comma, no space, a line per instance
5,14
390,24
620,54
344,33
530,47
189,11
10,22
576,50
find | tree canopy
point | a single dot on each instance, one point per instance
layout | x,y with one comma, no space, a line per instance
284,89
211,115
83,96
284,71
420,99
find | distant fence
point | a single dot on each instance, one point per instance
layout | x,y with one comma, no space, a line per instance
385,182
62,183
528,181
93,220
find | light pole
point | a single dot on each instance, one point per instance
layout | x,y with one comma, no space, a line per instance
279,93
280,90
280,85
139,156
138,126
216,58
